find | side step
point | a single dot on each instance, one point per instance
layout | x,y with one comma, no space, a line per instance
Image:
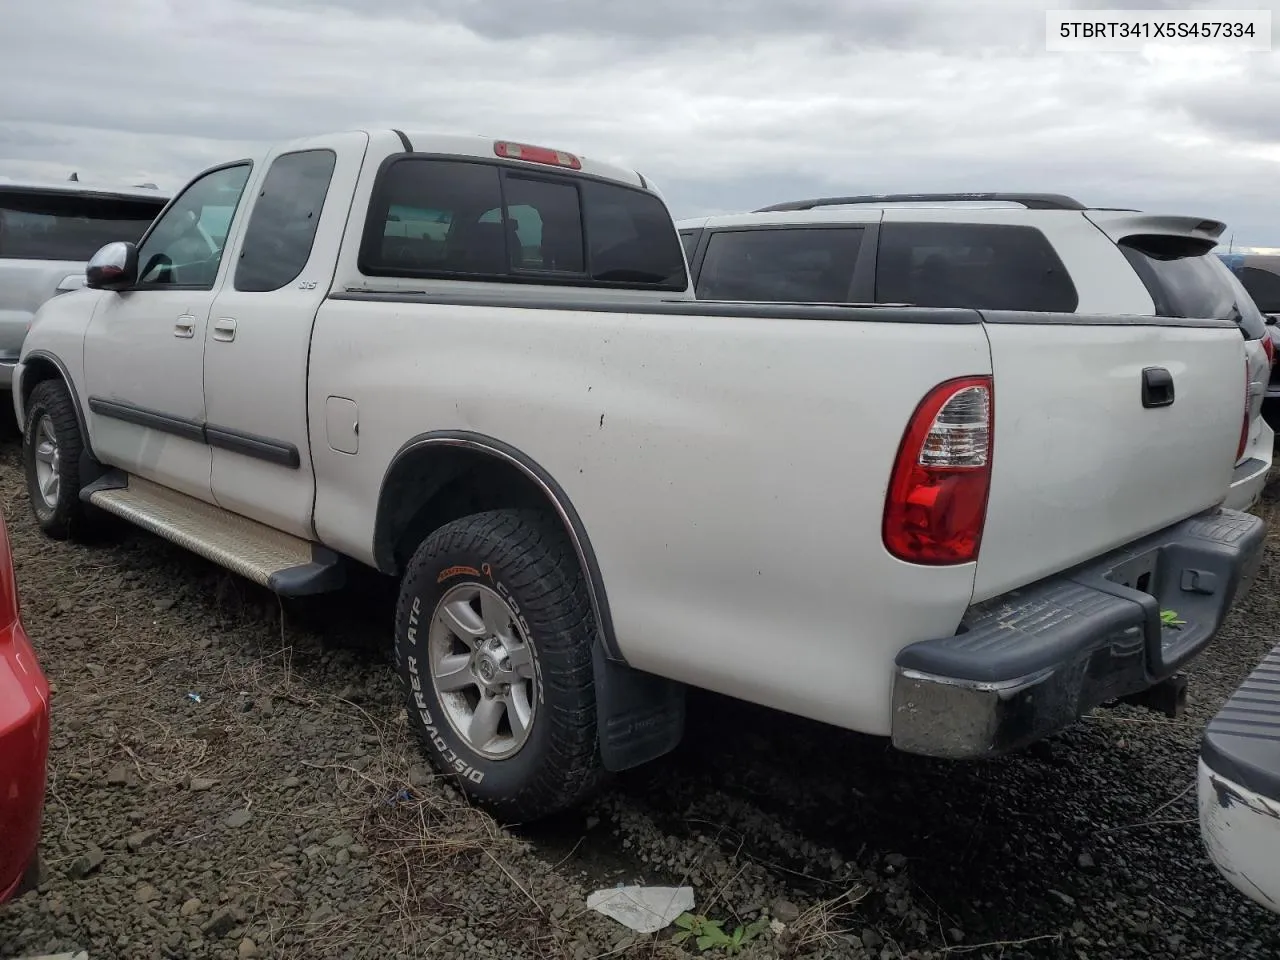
284,564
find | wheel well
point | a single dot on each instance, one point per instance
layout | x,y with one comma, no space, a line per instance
439,478
428,488
36,370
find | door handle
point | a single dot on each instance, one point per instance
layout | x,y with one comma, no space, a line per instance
224,330
1157,387
185,326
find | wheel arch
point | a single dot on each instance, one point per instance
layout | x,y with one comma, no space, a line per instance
439,476
39,366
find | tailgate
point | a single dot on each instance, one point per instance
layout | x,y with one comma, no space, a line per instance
1082,461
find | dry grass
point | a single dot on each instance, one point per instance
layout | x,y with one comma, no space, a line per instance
820,930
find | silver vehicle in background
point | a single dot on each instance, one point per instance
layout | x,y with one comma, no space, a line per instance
48,231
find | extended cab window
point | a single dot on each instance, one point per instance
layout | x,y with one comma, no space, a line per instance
282,228
977,266
54,225
780,265
185,247
457,219
1186,279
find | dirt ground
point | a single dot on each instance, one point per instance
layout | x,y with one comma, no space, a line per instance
230,777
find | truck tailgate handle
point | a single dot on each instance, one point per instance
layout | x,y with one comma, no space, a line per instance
1157,387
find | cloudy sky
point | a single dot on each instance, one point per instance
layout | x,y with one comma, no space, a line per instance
726,104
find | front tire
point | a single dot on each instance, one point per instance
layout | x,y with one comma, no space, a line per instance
493,646
51,448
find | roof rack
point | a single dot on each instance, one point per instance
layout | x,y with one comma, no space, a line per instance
1032,201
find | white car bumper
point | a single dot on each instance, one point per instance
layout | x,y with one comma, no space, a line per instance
1250,476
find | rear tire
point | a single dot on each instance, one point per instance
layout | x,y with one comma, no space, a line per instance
51,448
493,645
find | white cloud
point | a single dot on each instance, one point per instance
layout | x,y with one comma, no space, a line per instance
726,105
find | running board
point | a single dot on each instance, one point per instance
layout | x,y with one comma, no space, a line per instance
284,564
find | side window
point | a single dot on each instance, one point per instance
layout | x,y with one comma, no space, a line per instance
455,219
1263,286
185,248
978,266
282,228
780,264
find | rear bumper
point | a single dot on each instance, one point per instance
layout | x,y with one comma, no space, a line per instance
1239,786
24,750
1249,479
1030,663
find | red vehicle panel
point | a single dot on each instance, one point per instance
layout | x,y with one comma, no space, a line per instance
24,735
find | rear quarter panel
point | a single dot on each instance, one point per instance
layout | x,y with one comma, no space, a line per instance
730,473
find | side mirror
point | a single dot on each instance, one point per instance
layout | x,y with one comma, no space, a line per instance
113,267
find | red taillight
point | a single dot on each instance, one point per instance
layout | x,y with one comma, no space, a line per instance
530,154
1244,427
937,501
1269,348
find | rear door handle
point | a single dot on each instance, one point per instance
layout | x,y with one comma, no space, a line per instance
224,330
1157,387
185,326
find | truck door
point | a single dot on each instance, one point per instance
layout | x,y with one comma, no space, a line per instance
259,332
144,347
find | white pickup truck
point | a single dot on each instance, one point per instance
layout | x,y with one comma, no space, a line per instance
478,367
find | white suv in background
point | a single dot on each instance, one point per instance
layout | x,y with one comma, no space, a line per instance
48,232
1031,253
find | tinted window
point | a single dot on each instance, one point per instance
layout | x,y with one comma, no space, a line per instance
1263,286
447,218
787,265
185,247
1185,279
690,242
631,238
277,242
68,226
545,225
979,266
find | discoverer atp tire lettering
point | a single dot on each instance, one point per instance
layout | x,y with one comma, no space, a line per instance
523,558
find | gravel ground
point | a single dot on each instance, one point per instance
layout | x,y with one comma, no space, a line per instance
233,778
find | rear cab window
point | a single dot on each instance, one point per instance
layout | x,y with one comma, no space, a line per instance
1187,279
58,225
468,219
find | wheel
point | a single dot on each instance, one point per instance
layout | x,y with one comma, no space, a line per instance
51,447
493,646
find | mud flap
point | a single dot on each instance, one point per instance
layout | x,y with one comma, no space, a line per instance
639,716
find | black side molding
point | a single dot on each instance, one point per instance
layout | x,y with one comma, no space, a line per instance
152,419
251,445
236,441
